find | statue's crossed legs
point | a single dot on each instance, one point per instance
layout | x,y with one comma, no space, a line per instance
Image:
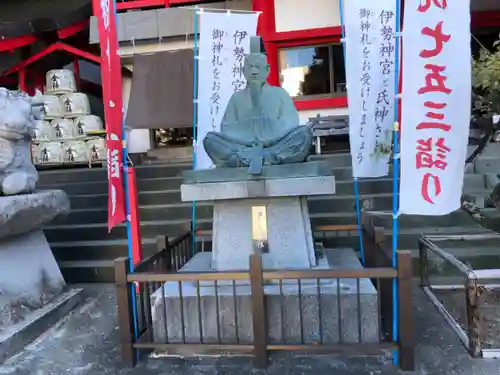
293,147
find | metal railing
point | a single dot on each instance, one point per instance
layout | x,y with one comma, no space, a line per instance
255,311
465,297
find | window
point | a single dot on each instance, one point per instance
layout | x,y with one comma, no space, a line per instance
175,137
313,71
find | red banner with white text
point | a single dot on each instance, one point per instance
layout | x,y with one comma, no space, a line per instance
436,105
112,99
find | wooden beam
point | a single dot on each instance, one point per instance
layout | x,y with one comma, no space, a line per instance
58,46
66,32
139,4
11,44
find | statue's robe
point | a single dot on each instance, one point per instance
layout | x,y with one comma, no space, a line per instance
273,126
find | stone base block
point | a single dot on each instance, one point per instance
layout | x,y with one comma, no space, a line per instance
29,273
244,189
30,291
202,262
328,313
15,337
269,172
288,232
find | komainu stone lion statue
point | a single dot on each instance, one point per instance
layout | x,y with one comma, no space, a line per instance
17,126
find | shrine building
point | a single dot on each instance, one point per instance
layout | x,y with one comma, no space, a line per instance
302,42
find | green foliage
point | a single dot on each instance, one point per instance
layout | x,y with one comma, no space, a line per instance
486,81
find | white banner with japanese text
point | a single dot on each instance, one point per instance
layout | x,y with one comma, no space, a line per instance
436,105
224,40
370,68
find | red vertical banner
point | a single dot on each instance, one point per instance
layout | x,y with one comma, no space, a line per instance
112,97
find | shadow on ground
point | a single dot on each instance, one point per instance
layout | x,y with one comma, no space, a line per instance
84,343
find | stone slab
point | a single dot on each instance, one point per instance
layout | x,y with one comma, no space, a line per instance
314,316
307,169
202,262
492,179
28,212
279,187
16,336
29,273
491,151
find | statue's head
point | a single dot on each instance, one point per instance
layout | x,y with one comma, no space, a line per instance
16,114
256,68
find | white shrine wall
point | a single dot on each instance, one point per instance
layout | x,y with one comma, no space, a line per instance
293,15
289,15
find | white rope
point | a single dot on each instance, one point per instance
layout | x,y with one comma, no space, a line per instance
480,44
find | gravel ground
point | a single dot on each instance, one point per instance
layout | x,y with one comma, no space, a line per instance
454,302
86,343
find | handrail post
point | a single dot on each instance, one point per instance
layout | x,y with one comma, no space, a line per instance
379,237
405,327
258,312
368,240
423,262
161,246
125,316
473,317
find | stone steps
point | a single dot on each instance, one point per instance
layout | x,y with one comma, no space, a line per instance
85,271
98,268
159,207
472,182
82,237
111,249
92,231
100,174
98,250
167,190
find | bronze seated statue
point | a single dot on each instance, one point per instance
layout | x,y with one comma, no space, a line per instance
260,125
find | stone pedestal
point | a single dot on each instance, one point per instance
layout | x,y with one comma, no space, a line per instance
284,195
29,273
28,270
324,310
31,284
319,309
290,242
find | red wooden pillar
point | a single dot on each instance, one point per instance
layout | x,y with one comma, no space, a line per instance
76,69
39,81
23,86
266,28
25,53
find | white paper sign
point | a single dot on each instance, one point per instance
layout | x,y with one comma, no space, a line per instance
224,40
370,68
436,105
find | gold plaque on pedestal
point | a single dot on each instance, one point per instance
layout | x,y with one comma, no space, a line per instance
259,230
